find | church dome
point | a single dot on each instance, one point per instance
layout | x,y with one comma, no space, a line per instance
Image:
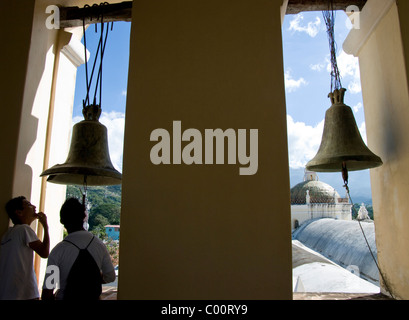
318,191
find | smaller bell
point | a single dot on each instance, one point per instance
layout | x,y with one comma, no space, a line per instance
88,160
342,145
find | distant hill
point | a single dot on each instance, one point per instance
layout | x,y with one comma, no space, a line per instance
103,205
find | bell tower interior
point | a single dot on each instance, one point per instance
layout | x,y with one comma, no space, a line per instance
202,232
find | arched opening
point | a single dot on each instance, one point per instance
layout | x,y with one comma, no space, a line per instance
307,79
104,202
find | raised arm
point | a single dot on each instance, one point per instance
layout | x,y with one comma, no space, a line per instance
42,248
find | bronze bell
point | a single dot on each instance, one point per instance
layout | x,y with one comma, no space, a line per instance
342,144
88,160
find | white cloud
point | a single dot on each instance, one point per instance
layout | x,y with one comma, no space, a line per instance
348,66
357,107
317,67
291,84
312,28
123,93
303,142
115,124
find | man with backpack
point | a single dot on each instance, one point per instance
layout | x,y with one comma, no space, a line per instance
81,260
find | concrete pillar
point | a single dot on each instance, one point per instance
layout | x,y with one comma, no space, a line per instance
203,231
383,57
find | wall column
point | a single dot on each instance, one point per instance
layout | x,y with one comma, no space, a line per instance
14,56
203,231
383,58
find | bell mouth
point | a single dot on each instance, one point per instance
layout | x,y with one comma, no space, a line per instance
80,175
334,164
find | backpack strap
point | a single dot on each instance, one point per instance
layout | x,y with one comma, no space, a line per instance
77,246
90,242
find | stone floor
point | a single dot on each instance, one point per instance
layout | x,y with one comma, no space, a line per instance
339,296
110,293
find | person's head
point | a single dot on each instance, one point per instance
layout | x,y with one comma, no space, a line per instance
72,214
20,210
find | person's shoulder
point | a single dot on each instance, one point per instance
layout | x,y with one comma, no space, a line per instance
21,227
25,232
98,241
58,247
79,235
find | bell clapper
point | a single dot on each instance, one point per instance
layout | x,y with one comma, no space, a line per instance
345,176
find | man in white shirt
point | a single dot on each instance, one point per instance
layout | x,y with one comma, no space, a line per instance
64,254
17,277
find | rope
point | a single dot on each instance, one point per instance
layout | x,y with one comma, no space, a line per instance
329,18
345,178
99,52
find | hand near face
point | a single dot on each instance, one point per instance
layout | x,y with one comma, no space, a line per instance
42,218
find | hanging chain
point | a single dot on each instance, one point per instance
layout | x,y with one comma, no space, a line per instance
329,18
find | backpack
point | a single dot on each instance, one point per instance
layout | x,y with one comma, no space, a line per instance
84,281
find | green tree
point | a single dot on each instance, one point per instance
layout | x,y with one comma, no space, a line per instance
99,232
113,250
97,220
102,202
108,210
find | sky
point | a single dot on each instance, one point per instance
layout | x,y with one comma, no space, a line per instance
307,84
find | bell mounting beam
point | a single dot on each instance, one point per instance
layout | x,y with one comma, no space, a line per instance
122,11
297,6
73,16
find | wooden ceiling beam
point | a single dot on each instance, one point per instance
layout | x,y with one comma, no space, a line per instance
297,6
73,16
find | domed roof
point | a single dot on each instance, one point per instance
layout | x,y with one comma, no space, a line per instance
319,192
342,242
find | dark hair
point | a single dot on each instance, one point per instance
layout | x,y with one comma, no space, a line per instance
72,212
12,206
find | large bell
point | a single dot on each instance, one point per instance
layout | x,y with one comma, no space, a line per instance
88,160
342,144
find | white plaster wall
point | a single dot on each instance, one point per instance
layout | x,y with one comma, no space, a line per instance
70,57
306,212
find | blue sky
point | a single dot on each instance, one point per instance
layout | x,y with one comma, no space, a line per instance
307,80
114,85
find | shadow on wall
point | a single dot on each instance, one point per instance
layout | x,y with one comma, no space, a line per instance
26,87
